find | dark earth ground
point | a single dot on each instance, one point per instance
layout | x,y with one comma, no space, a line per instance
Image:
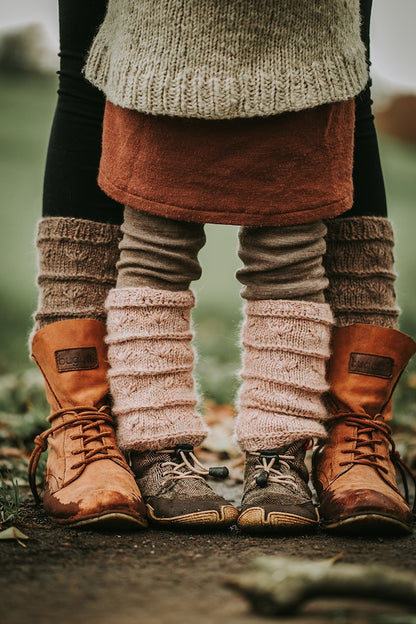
64,575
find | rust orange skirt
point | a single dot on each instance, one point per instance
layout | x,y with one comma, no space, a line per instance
282,170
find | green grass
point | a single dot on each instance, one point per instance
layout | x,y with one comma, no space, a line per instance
10,501
26,109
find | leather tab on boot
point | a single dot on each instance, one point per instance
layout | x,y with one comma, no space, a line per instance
83,358
372,365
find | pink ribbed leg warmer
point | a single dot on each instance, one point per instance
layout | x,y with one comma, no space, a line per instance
151,363
286,346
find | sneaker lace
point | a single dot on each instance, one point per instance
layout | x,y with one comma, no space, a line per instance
90,419
370,434
273,467
185,465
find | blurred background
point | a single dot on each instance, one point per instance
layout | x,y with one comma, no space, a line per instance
28,62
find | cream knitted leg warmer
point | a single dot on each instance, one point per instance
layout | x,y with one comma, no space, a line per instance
151,362
77,268
286,347
359,265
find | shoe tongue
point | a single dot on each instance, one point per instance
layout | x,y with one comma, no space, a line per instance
290,449
368,436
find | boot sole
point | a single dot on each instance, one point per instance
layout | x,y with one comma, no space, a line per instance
209,518
369,524
112,520
254,519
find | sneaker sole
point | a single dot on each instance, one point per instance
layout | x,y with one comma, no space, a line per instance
254,519
369,524
112,520
225,517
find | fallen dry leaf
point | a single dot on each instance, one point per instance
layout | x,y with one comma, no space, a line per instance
220,420
13,533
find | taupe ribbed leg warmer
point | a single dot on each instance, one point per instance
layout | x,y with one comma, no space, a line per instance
359,265
77,268
283,262
159,253
279,262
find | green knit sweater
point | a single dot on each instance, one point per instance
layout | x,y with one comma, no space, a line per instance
220,59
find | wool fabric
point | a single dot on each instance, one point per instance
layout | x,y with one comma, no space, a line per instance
282,170
151,362
283,262
359,264
77,268
222,60
286,346
159,253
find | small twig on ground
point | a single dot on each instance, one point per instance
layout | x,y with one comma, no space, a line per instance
281,585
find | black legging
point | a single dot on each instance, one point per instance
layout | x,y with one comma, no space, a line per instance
369,192
70,186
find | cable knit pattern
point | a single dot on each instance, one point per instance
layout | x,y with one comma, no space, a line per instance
151,362
359,265
77,268
219,60
286,347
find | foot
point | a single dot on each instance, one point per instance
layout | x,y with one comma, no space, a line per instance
174,487
354,474
87,481
276,496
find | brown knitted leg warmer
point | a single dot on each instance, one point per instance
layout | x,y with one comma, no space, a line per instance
359,266
77,268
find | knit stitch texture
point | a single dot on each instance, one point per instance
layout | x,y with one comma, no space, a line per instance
151,362
359,264
219,60
77,268
286,348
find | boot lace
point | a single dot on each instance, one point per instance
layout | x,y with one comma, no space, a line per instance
185,465
90,419
273,467
365,451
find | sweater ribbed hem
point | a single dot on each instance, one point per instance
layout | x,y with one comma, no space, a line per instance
226,96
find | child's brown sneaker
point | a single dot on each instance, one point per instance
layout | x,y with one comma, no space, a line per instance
174,488
276,495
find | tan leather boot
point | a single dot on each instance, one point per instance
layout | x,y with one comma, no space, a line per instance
87,478
354,470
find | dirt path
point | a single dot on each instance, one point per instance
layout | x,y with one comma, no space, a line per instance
164,577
